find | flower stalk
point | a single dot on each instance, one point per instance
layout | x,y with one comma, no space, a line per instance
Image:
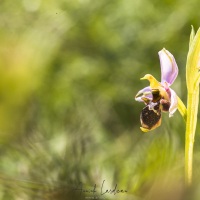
182,109
192,109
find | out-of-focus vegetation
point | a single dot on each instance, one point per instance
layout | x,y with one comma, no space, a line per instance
69,72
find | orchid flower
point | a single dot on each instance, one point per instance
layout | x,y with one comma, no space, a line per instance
159,96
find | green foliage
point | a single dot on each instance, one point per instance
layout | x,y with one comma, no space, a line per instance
69,74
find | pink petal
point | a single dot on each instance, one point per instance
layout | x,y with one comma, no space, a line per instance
174,103
144,93
169,68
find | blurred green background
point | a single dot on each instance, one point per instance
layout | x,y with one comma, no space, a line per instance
69,71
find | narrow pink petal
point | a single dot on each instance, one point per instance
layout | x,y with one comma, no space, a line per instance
169,68
174,103
144,93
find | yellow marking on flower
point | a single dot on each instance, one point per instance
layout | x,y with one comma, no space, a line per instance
153,82
144,129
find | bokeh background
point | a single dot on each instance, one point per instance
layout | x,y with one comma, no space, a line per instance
69,72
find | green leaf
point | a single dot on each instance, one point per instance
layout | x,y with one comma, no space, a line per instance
193,63
192,35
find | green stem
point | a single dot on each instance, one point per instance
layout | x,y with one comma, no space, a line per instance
192,109
182,109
